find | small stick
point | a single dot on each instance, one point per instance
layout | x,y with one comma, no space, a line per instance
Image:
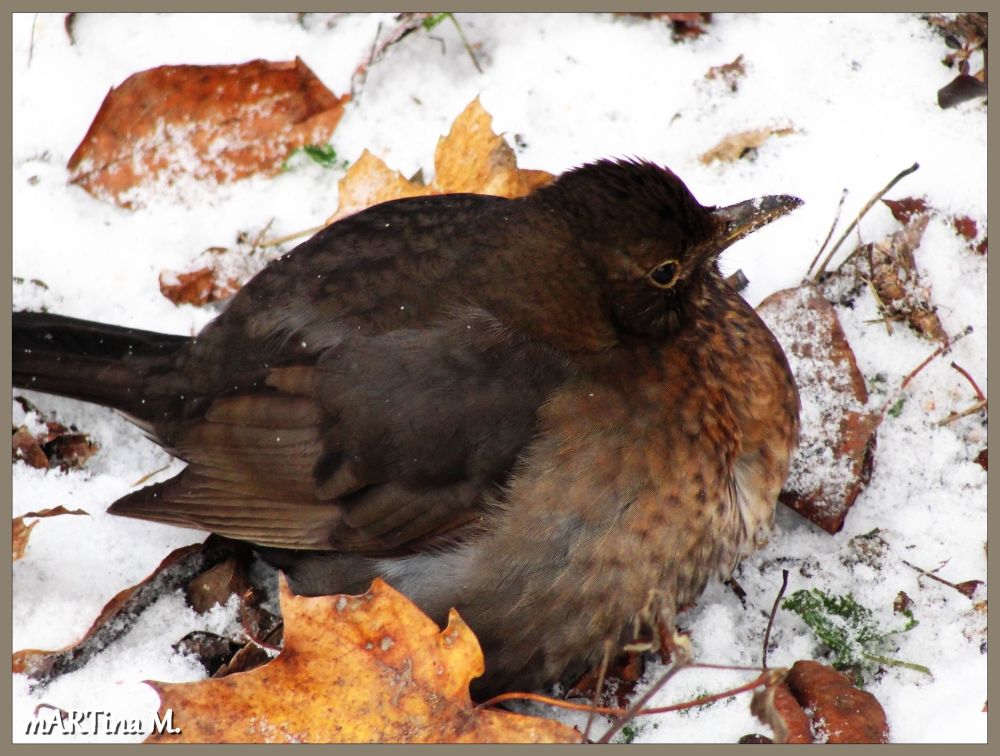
968,411
774,611
836,220
147,476
597,691
290,237
868,206
468,47
635,709
979,393
931,575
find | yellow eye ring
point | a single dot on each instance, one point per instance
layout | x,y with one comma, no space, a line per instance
665,275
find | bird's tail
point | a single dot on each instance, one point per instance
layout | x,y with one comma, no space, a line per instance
104,364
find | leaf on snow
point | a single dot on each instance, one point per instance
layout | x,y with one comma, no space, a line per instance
211,123
359,669
832,463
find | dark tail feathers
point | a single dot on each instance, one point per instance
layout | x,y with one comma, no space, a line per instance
104,364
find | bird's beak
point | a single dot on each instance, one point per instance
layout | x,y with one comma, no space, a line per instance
744,218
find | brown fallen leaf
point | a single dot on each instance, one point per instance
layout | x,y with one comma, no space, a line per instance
198,287
354,669
904,209
117,615
370,181
840,712
728,73
902,290
982,459
832,463
25,447
735,146
472,158
22,532
209,123
55,445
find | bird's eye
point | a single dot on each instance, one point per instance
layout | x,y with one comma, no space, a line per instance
665,274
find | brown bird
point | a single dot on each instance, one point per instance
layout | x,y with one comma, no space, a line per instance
551,413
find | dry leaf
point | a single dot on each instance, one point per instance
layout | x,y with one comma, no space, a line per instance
901,289
472,158
358,669
832,463
904,209
370,181
55,445
215,123
199,287
841,713
26,448
729,73
735,146
21,534
116,617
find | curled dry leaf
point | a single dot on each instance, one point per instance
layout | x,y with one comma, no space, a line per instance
902,291
840,712
735,146
198,287
832,463
21,533
370,181
208,123
52,444
728,73
360,669
118,614
471,158
903,210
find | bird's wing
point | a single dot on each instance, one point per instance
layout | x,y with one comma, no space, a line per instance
380,445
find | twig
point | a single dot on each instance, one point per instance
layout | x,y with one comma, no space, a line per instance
597,690
291,237
868,206
932,576
468,47
968,411
774,611
31,39
943,348
761,680
256,243
836,220
147,476
633,711
979,393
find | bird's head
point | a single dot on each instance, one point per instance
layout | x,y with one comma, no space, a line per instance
653,246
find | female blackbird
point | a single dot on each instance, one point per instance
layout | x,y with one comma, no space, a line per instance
550,413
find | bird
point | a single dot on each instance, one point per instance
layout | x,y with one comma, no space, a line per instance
551,413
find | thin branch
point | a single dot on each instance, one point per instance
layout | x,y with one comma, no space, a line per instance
774,611
964,413
836,220
597,690
975,386
290,237
468,47
633,711
864,210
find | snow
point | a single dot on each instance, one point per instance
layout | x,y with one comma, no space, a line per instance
859,92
